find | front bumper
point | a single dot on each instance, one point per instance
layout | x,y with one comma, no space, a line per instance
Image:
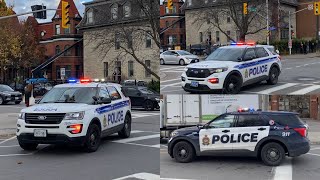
12,99
51,139
204,84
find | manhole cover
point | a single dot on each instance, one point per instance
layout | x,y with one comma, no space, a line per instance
306,79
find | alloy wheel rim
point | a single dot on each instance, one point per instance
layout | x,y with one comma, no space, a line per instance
273,154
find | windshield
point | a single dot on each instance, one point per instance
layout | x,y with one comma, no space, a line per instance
226,54
5,88
146,91
184,53
70,95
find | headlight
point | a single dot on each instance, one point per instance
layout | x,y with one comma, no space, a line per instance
22,116
217,70
174,133
74,116
186,69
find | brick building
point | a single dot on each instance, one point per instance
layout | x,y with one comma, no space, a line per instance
176,34
306,21
54,39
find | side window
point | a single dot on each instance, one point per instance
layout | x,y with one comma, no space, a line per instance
223,121
114,94
104,93
261,52
250,120
132,91
250,54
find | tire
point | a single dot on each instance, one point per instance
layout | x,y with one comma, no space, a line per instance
126,130
272,149
232,85
17,102
28,146
162,62
181,62
148,105
183,152
1,100
93,138
273,76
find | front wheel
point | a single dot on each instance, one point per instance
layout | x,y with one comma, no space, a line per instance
232,85
162,62
273,76
272,154
183,152
93,138
28,146
126,130
181,62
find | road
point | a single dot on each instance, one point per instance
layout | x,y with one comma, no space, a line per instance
299,76
241,168
135,157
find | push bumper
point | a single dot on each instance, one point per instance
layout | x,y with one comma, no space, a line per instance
51,139
203,83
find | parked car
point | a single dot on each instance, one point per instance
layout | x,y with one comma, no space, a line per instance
134,83
7,94
178,57
17,87
197,49
142,97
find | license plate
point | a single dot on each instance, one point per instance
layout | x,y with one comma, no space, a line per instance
40,133
194,83
17,97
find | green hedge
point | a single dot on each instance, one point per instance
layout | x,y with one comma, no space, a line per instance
154,85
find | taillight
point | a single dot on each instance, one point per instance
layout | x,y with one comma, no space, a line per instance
301,131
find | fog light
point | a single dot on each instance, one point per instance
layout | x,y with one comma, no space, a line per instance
18,125
183,78
213,80
76,128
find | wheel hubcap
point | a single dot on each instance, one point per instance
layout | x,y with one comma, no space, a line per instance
231,86
93,139
183,153
273,154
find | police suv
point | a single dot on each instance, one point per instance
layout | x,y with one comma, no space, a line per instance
270,136
77,113
231,67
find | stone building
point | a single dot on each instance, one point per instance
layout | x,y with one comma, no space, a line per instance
200,31
117,35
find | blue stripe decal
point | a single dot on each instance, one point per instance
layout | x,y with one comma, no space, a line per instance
112,107
263,61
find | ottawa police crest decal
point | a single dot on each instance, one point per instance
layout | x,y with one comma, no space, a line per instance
104,121
205,140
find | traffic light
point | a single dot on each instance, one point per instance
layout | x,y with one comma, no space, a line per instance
65,14
170,4
316,8
245,8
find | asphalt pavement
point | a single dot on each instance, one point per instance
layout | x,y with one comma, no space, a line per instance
300,75
136,157
241,168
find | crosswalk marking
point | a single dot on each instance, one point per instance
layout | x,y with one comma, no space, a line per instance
144,176
305,90
277,88
137,138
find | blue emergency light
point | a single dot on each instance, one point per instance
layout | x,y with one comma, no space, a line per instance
72,80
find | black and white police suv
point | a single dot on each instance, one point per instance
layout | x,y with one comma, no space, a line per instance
269,136
77,113
231,67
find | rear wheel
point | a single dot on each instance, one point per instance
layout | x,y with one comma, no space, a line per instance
273,76
93,138
126,131
28,146
181,62
1,100
162,61
272,154
183,152
232,85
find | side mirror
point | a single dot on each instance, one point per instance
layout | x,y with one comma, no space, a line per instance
277,51
94,98
106,101
239,59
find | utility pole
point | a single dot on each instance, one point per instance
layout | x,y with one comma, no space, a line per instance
279,30
268,37
290,40
317,33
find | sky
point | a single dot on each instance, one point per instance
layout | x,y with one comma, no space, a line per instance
22,6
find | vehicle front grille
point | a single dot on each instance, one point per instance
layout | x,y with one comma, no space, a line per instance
198,73
51,118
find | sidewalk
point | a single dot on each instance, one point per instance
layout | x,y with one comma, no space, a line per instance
300,56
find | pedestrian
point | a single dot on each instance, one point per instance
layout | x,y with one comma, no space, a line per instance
301,48
312,47
28,92
307,49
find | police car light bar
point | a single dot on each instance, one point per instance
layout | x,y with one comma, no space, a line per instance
245,110
240,44
71,80
85,80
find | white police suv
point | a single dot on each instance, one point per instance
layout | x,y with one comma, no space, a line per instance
231,67
77,113
269,136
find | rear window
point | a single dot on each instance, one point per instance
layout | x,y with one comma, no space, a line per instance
287,119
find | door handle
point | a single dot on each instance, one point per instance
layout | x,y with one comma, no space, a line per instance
226,131
262,129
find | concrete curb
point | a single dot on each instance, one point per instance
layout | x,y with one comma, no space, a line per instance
7,133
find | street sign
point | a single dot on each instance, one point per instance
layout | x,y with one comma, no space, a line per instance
310,7
62,72
252,9
290,44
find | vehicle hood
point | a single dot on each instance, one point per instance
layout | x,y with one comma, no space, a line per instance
213,64
57,108
188,130
191,56
11,92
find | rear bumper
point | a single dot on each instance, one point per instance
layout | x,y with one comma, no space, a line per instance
51,139
301,148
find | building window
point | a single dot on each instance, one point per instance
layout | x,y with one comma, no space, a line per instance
228,19
90,16
67,53
58,49
105,69
284,34
129,39
66,31
114,11
78,71
201,37
174,9
57,27
209,38
117,40
148,39
167,10
127,10
217,36
228,37
148,64
78,50
130,68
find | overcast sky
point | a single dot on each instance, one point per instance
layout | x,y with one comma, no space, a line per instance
21,6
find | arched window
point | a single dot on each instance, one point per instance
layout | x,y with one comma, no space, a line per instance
114,11
127,9
67,53
58,49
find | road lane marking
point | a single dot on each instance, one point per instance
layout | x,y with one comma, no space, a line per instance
306,90
168,91
174,179
9,155
314,148
284,171
169,85
169,80
9,146
314,154
144,145
137,138
156,146
2,142
277,88
176,67
176,71
145,176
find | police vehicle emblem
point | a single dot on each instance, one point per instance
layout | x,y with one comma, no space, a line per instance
271,122
104,121
246,73
42,117
205,140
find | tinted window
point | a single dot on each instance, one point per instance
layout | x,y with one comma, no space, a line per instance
5,88
167,53
131,91
184,53
104,93
114,94
146,91
286,119
271,49
261,52
250,54
250,120
226,54
223,121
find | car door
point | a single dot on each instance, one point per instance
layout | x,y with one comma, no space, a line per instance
104,109
216,134
116,115
168,57
250,129
175,57
264,61
249,61
135,96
